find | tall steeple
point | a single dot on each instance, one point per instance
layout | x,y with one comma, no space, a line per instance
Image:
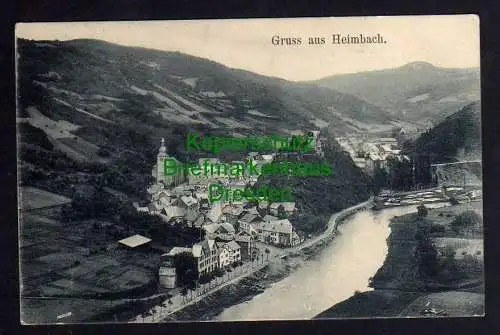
163,149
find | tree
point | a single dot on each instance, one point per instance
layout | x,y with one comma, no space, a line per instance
467,219
380,179
427,256
187,269
422,211
281,212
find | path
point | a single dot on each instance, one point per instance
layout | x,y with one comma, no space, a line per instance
179,302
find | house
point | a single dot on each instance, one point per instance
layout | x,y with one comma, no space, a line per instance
269,218
229,252
234,251
221,231
155,207
278,232
167,272
232,213
225,232
263,205
246,220
214,213
224,255
252,210
173,212
199,221
246,240
210,229
206,256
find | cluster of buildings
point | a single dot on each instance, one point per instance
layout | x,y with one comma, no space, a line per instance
369,154
232,228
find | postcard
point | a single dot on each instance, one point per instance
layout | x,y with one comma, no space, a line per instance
249,169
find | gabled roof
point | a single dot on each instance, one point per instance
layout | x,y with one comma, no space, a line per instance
278,226
134,241
215,212
227,227
211,228
189,200
268,218
165,201
252,210
249,217
192,214
154,207
233,210
178,250
175,211
263,204
199,221
233,246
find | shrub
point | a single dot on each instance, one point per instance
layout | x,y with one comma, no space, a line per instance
422,211
467,219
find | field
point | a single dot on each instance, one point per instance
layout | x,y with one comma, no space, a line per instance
32,197
378,303
454,303
459,266
74,262
43,311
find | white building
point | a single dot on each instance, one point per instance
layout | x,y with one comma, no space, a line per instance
167,272
158,172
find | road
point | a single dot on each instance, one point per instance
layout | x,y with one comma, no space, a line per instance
179,302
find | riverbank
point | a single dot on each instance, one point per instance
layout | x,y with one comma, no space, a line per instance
405,284
253,282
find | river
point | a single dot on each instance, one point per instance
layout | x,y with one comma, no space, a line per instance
342,267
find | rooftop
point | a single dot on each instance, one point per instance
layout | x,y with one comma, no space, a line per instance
177,250
134,241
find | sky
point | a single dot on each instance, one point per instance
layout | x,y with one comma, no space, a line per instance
446,41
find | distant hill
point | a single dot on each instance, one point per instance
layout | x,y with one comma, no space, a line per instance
416,92
93,113
456,138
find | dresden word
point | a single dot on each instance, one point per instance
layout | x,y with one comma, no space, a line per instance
257,143
217,192
250,168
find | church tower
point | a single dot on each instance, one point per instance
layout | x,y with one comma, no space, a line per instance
160,165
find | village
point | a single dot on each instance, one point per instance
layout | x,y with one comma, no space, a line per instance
238,231
371,153
235,232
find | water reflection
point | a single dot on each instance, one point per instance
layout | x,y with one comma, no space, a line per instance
341,268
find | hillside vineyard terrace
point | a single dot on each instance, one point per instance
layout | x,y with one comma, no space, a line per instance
215,144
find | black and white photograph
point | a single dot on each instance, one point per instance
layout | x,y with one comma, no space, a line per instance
249,169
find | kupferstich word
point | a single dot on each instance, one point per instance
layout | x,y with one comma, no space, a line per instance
357,39
216,144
